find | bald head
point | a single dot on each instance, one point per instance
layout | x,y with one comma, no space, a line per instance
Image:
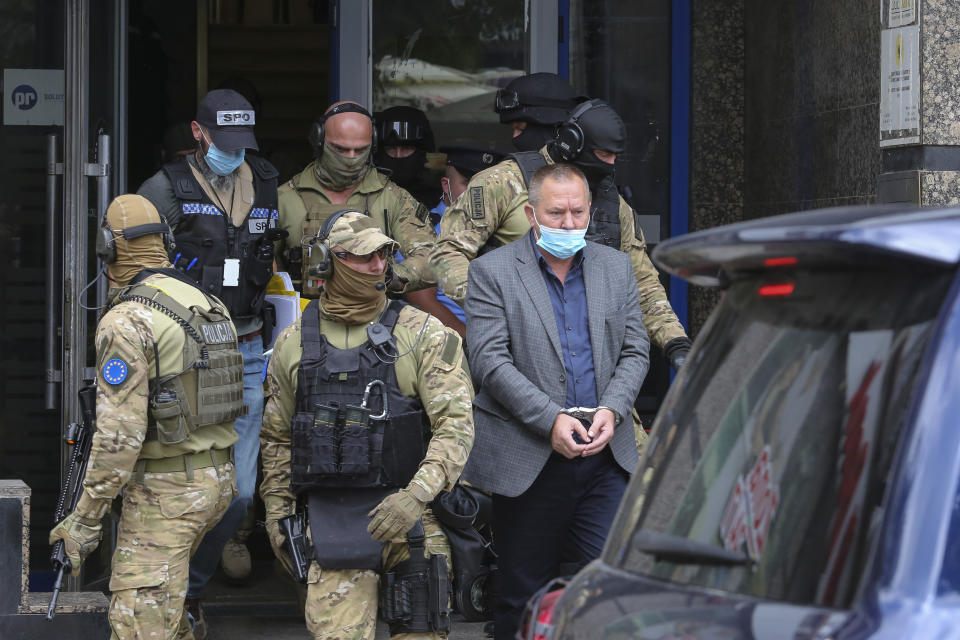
348,133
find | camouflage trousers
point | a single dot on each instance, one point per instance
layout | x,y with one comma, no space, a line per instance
342,603
163,520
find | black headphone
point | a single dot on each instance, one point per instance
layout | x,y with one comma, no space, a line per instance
316,135
323,268
107,238
570,139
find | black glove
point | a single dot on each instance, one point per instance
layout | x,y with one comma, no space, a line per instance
676,352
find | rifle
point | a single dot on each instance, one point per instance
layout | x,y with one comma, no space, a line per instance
294,529
80,437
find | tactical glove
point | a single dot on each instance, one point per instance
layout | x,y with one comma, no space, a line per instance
80,535
276,543
676,351
395,515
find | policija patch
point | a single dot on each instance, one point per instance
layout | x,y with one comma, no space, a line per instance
476,203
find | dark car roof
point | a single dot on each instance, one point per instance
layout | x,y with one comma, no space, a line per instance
871,234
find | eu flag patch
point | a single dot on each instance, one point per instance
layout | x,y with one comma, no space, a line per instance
115,371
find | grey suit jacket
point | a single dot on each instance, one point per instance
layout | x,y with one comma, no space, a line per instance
516,360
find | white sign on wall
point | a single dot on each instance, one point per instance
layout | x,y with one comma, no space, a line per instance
33,96
900,86
902,13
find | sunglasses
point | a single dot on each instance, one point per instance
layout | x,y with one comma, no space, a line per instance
346,256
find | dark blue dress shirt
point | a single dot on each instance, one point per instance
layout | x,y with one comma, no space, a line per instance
569,300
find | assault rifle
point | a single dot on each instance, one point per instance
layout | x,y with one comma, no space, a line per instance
79,436
294,529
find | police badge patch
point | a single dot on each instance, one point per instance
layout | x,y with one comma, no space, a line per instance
476,202
115,371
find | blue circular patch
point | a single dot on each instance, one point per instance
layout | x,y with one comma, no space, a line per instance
115,371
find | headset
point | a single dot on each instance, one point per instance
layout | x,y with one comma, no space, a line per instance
316,135
323,268
570,139
107,238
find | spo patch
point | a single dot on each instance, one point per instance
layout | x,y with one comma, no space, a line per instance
115,371
476,203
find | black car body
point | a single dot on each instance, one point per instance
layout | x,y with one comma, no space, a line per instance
801,480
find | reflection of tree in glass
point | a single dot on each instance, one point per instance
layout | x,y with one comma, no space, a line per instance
465,35
450,68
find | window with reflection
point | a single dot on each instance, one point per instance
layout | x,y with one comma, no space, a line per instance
776,449
448,58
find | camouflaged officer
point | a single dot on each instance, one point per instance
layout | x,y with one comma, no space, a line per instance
343,176
490,214
169,385
368,417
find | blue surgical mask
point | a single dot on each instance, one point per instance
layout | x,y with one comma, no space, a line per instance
562,243
223,163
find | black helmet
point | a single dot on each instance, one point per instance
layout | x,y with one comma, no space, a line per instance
404,126
539,98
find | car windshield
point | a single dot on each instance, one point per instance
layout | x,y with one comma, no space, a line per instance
768,462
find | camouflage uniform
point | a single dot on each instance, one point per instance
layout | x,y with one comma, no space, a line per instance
493,207
343,603
304,205
165,513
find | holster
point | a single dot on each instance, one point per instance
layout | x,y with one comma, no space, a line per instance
415,595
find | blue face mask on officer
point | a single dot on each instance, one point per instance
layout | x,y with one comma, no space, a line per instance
221,162
562,243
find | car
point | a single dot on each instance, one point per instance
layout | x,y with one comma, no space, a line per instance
801,479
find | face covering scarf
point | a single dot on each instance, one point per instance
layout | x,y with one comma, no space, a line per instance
352,297
338,172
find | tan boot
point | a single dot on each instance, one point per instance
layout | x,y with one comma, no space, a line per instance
235,560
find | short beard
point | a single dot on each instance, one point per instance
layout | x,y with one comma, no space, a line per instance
217,181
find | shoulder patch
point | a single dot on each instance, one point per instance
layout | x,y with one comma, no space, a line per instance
450,351
115,371
476,203
422,212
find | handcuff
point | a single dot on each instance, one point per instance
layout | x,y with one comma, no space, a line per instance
587,413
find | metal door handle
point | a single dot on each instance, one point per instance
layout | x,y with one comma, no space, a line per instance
53,375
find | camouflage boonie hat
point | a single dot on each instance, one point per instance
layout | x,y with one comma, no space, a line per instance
358,234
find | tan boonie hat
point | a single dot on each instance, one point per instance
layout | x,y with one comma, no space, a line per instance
358,234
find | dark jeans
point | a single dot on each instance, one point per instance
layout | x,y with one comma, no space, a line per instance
563,517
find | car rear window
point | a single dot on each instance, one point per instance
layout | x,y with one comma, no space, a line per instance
777,440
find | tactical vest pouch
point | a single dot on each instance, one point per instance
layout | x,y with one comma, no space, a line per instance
404,447
355,441
415,595
259,269
166,410
211,279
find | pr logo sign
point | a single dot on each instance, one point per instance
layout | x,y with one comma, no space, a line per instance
24,97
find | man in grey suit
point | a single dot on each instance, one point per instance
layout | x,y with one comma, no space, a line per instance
554,324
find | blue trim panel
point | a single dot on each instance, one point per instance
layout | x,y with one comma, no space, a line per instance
334,52
563,39
680,25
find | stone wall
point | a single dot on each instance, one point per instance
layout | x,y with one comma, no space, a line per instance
785,103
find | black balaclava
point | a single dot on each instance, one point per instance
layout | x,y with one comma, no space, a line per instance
602,130
542,100
407,127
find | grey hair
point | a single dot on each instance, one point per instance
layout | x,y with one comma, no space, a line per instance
561,172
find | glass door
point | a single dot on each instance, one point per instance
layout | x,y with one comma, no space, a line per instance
60,111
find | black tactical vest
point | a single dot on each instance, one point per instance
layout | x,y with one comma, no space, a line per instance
348,431
604,225
206,238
